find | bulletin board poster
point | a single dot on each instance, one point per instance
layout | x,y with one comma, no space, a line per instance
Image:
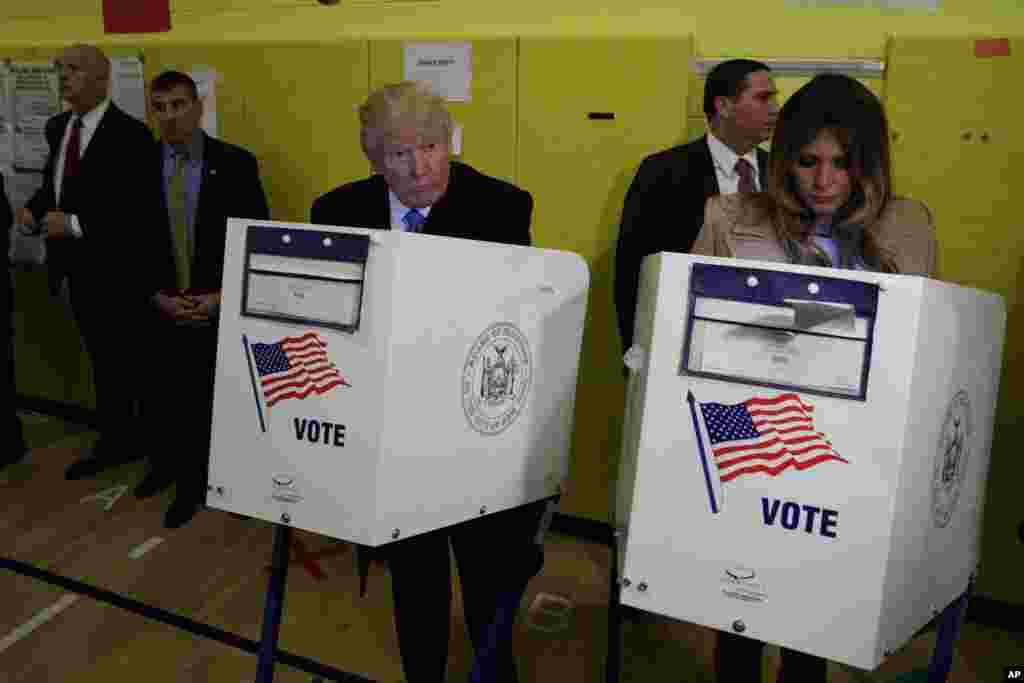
35,96
6,119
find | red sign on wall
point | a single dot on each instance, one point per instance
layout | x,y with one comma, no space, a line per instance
136,16
992,47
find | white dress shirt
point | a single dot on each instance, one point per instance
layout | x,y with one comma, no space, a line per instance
398,211
90,121
725,166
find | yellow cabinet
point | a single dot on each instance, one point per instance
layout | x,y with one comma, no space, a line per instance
589,111
488,120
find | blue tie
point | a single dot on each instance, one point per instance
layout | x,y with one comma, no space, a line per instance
414,219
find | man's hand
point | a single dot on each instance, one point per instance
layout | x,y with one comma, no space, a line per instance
24,217
206,306
55,225
177,308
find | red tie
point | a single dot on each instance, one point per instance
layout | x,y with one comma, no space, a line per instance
746,174
72,152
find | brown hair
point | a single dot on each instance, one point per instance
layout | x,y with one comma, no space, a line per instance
842,106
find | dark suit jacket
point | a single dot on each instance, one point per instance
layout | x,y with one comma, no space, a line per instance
475,206
6,218
230,188
115,196
663,211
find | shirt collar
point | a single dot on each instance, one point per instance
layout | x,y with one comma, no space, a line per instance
725,158
91,118
193,148
398,209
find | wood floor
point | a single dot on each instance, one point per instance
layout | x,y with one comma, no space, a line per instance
214,571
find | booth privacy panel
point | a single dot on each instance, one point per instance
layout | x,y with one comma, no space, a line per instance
802,518
452,398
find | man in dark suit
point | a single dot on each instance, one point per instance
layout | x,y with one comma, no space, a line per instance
97,205
405,135
205,181
664,207
14,441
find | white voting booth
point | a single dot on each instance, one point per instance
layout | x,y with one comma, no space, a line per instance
805,451
374,385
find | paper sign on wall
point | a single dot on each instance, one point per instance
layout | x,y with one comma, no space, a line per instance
206,84
456,139
128,86
35,95
446,66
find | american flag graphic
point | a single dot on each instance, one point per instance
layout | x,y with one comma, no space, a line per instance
765,435
295,367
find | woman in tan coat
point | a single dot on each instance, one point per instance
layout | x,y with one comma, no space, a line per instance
827,202
828,199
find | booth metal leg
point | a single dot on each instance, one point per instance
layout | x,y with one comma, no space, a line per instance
274,604
946,632
613,659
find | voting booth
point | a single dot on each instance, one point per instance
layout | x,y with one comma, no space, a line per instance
805,450
374,385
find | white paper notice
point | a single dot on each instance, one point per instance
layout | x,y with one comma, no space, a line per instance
206,83
457,139
448,67
128,86
35,99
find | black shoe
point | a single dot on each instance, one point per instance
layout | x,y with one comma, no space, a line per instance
104,457
13,455
181,512
89,467
151,484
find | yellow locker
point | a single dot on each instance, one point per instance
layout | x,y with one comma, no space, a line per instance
292,105
589,111
488,120
956,138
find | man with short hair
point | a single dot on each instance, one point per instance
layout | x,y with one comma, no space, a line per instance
98,206
205,180
405,135
664,207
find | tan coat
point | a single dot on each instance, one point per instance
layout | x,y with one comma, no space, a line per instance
735,228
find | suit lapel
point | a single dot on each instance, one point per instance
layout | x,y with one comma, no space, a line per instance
439,212
99,135
211,164
706,167
762,166
379,212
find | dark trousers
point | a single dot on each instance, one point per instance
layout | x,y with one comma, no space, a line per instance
178,406
497,556
110,328
14,444
739,659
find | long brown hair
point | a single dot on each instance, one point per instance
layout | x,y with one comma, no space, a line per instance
844,107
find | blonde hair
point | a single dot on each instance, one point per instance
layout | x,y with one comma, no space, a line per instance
408,105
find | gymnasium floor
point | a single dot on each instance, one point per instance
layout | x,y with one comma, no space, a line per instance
214,572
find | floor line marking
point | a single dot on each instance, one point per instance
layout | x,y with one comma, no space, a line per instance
38,620
143,548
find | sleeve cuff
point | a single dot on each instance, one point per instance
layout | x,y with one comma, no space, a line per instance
73,226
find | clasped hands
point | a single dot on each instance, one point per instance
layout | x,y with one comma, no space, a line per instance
54,223
188,309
